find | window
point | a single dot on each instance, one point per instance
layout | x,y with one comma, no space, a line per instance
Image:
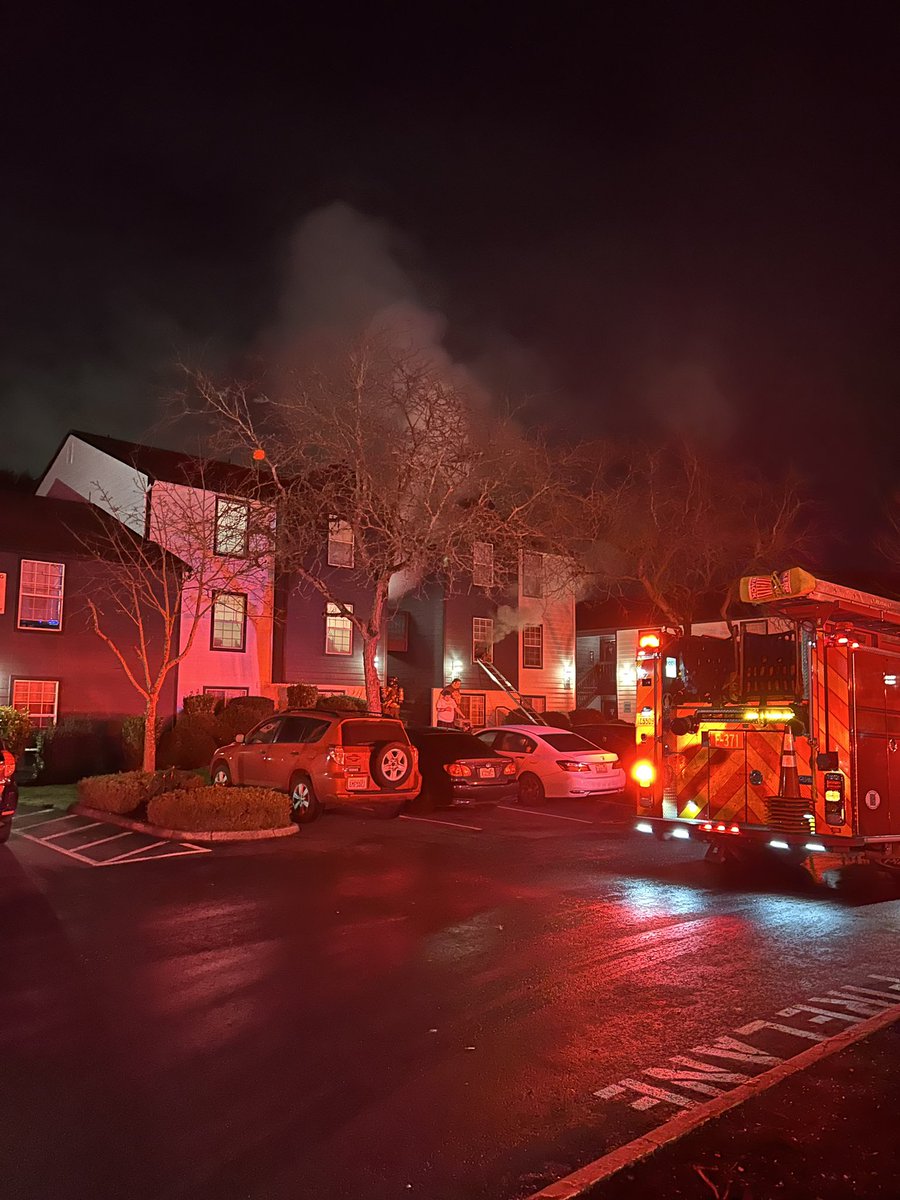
229,621
338,629
232,527
567,742
41,595
226,693
482,639
302,729
537,704
340,544
533,646
38,698
532,574
472,707
398,633
265,734
483,564
515,743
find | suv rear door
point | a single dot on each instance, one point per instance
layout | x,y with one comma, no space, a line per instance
361,737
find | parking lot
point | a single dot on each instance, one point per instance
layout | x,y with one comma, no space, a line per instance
93,843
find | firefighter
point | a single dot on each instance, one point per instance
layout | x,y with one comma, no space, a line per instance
391,698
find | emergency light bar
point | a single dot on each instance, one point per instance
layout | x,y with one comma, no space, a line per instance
797,584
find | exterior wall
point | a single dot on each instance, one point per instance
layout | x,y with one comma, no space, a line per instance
300,639
459,610
420,667
204,666
91,679
80,470
555,681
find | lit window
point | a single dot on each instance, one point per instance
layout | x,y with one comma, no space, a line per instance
38,698
533,646
483,564
232,527
532,574
229,621
338,629
226,693
472,708
41,595
340,544
482,639
537,704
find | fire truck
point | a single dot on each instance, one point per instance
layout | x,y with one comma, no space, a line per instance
782,739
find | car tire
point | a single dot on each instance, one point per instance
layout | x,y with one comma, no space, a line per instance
531,790
220,774
305,804
391,764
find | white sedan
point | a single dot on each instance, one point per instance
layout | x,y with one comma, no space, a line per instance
555,763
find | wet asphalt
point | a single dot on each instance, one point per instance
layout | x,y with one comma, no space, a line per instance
379,1009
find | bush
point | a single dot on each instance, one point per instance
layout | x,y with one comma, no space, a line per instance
342,704
79,746
558,719
587,716
133,740
15,730
241,714
129,790
201,704
211,809
302,695
190,742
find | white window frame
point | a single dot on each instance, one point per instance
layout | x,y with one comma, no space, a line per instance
217,599
535,644
337,623
537,703
341,544
483,564
226,693
42,720
486,628
36,593
477,701
531,574
226,527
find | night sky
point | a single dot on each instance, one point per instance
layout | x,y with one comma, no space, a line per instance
647,219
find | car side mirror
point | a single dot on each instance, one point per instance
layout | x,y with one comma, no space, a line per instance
238,737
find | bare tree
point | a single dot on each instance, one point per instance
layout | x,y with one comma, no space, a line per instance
154,593
684,527
405,466
889,541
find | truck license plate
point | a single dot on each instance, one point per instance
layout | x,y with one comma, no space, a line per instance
357,783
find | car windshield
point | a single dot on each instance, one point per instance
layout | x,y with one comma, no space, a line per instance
567,741
366,733
454,745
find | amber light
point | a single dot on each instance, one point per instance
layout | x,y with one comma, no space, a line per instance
643,773
649,641
259,454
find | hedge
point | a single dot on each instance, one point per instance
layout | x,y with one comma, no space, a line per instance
213,809
127,791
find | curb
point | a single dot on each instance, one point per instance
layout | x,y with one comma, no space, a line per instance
182,835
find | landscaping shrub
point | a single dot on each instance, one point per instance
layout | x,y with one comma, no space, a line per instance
241,714
302,695
342,704
212,809
587,716
133,740
556,718
190,742
202,704
15,730
78,746
129,790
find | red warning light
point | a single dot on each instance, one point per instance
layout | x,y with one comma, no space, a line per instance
259,454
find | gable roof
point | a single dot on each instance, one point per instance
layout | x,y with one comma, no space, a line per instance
171,466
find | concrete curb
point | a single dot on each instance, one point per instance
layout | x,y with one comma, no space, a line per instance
185,835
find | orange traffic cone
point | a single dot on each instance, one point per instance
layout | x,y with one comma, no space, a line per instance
789,778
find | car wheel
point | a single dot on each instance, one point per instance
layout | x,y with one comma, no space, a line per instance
220,774
531,790
305,806
391,765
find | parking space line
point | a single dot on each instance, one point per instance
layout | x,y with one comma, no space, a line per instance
68,832
58,849
70,817
124,860
137,850
102,841
536,812
433,821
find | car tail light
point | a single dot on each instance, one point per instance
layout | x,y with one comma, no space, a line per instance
336,754
572,764
509,768
643,773
834,797
458,770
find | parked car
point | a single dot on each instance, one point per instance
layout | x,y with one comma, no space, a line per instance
324,760
457,769
617,736
555,763
9,792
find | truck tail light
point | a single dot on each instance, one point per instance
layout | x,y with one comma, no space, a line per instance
643,773
572,764
834,798
458,770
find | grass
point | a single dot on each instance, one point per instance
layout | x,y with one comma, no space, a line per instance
56,795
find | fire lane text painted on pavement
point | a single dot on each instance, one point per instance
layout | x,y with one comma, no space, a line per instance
687,1080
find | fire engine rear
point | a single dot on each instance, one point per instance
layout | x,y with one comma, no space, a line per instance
781,739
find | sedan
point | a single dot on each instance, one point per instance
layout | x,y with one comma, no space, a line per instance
9,793
555,763
458,770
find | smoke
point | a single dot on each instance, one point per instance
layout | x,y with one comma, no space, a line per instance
510,620
687,399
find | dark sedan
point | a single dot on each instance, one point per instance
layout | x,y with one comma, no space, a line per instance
9,793
457,769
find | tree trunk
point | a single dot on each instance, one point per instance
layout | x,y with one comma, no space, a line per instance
371,639
149,762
